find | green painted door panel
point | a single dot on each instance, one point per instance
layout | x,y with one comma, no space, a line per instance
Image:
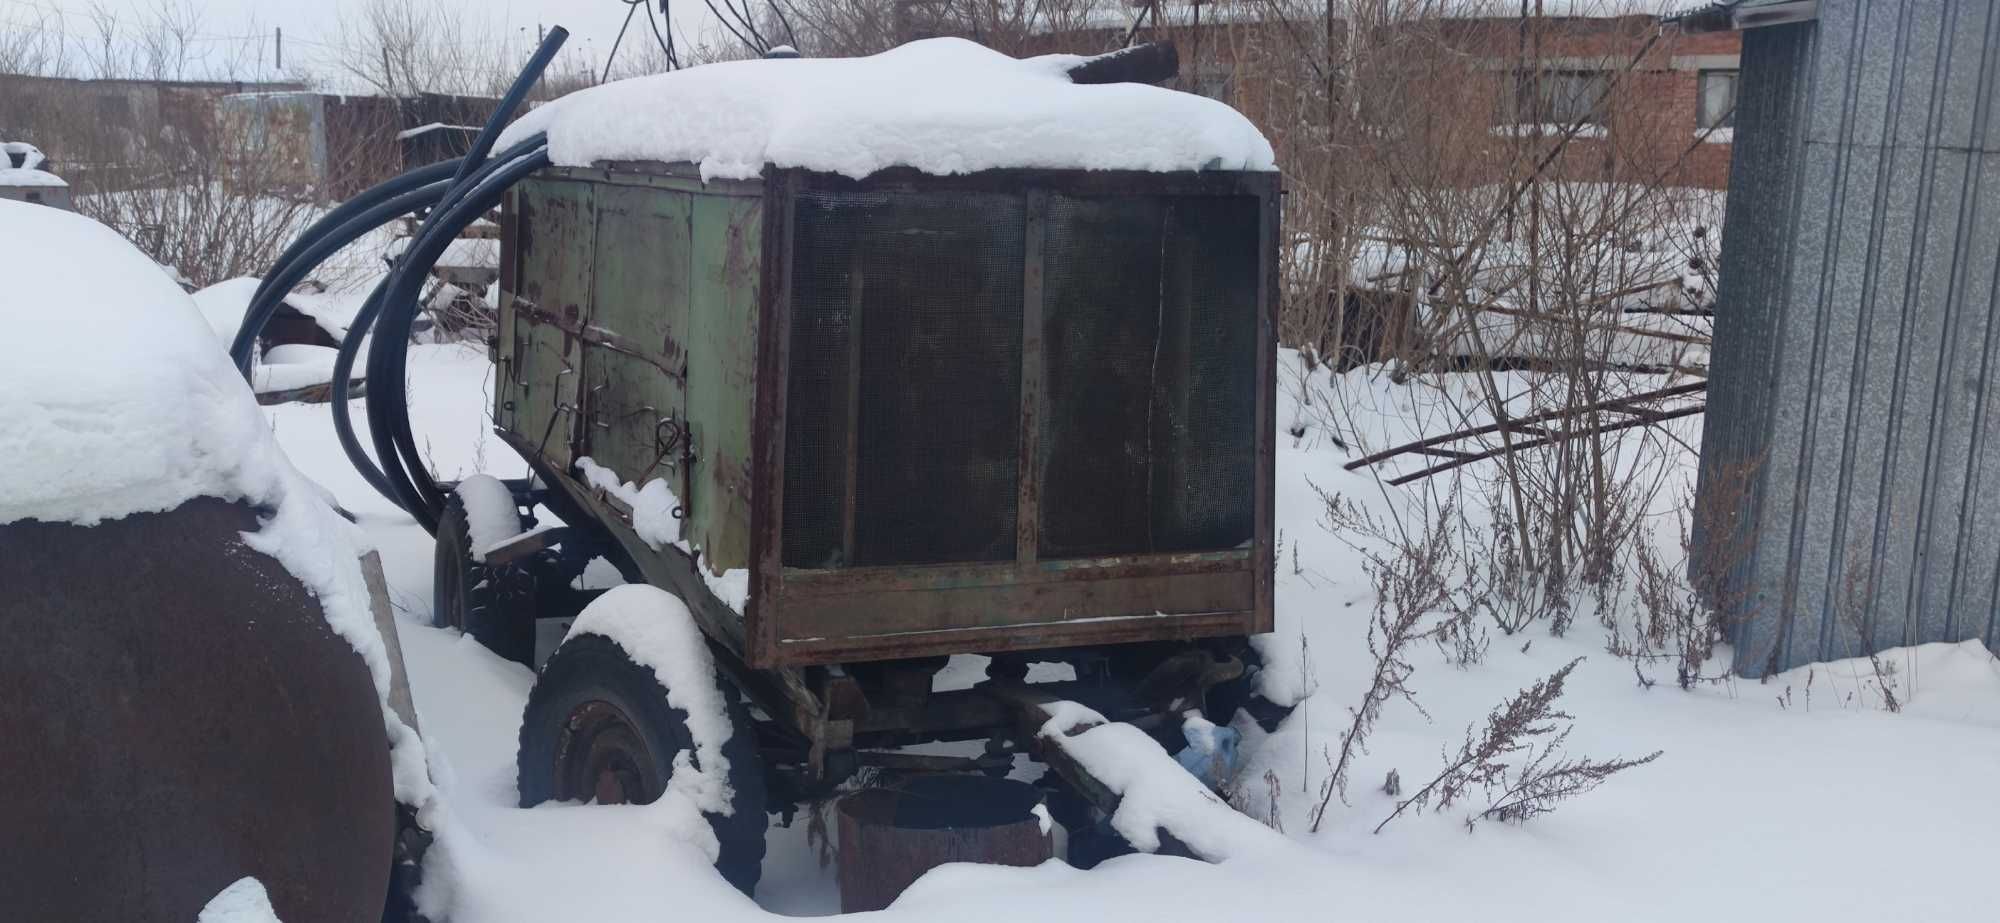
721,383
636,357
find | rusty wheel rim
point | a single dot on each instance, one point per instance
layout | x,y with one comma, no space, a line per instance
600,758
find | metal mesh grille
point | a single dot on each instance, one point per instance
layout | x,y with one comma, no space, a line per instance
906,356
1149,440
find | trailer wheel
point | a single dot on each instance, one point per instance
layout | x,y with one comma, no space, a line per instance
495,605
598,729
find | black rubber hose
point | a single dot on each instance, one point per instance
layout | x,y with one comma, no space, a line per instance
516,94
358,331
401,464
475,185
364,321
265,302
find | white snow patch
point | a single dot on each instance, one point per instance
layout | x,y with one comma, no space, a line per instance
659,633
943,106
491,517
293,365
224,304
1042,818
244,901
1548,130
158,417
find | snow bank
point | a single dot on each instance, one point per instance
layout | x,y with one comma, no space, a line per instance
156,416
659,633
245,901
943,106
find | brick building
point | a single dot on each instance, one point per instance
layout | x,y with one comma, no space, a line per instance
1659,101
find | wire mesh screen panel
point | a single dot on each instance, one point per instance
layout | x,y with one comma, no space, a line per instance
905,378
1150,313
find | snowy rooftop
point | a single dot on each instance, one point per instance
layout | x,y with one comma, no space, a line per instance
15,176
943,106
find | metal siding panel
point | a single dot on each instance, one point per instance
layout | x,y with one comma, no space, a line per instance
1910,381
1973,594
1879,288
1963,27
1955,501
1755,300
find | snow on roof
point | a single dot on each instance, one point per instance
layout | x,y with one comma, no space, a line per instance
118,400
942,105
15,176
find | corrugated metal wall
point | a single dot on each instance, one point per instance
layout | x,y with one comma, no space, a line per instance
1850,485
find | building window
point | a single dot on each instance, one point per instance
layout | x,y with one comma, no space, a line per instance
1561,97
1717,100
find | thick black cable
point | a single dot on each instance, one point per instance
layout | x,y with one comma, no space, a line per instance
387,403
359,329
265,302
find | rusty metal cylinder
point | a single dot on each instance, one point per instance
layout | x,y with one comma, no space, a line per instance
889,837
177,715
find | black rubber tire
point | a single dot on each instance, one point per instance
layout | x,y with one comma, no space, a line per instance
593,672
496,606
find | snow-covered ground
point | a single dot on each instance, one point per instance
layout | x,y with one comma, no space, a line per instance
1800,797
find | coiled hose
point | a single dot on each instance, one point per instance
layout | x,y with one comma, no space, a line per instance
451,195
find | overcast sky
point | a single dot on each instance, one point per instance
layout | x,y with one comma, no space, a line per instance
245,26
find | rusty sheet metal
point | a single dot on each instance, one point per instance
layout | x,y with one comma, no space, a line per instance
889,837
1000,606
179,716
802,616
555,233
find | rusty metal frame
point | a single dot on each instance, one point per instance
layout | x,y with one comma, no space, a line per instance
1025,603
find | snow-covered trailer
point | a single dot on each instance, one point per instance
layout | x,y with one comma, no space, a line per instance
859,425
847,367
906,415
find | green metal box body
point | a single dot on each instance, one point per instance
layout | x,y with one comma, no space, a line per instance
1011,410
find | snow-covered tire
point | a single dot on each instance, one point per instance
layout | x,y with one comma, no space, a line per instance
496,605
598,727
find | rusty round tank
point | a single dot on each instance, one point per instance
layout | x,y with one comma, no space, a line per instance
178,715
889,837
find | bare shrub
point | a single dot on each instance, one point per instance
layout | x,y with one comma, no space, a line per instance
1530,724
